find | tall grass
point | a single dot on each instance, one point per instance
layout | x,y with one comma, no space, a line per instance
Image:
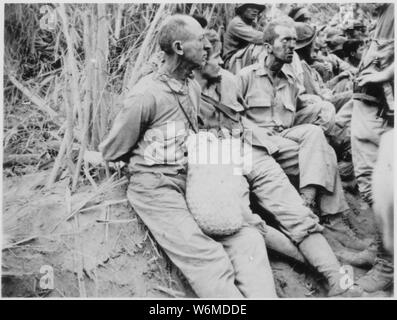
78,71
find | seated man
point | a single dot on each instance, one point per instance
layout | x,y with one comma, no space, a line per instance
353,50
220,110
335,41
240,32
271,94
156,117
313,82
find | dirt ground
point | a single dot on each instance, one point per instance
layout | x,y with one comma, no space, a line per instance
116,259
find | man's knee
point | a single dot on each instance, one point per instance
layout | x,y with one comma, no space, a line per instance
311,131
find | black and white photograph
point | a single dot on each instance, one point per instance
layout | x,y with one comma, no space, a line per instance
198,150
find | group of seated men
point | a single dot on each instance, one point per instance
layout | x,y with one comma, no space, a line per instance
283,101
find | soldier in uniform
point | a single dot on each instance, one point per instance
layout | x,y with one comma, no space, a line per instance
271,93
240,32
150,133
221,109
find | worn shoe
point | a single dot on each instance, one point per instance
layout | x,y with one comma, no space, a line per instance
365,258
379,278
377,294
335,227
352,292
319,254
356,222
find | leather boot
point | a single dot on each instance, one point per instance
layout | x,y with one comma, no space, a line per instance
380,277
319,254
336,227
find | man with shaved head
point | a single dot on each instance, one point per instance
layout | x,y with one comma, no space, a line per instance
150,133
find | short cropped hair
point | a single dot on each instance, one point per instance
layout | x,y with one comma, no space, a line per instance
269,33
173,29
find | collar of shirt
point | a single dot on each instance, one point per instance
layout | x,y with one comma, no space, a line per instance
173,84
225,93
262,70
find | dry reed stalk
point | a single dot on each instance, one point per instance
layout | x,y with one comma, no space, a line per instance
88,93
209,16
77,252
40,103
107,218
87,101
104,188
173,293
103,54
146,43
106,203
192,9
12,159
100,34
122,221
71,65
58,162
119,16
69,132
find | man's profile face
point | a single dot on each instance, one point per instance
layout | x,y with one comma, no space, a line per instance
195,45
211,69
359,53
284,44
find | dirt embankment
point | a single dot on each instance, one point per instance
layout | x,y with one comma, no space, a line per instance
103,250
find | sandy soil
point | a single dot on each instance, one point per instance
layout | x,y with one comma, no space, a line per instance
110,259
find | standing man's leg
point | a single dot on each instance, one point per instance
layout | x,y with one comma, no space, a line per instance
366,129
